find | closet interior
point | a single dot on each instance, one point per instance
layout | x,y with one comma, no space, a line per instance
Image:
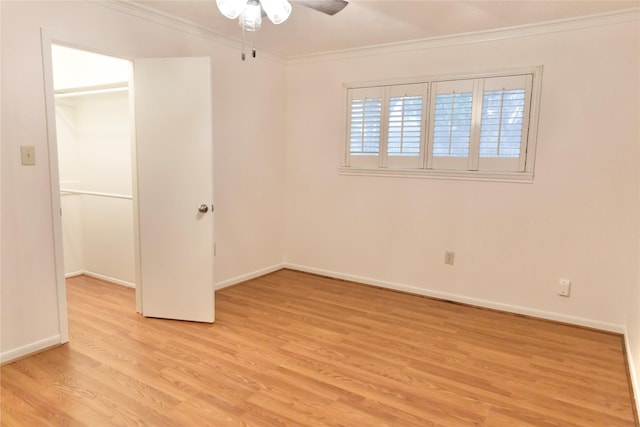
94,137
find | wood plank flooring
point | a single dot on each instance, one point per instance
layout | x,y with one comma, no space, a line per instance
293,349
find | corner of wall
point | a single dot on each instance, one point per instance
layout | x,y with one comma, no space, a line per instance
633,376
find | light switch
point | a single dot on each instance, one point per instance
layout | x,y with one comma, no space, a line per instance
28,155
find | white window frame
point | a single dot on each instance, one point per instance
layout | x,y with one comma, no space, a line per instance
444,169
404,162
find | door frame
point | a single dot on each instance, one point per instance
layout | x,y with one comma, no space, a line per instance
49,38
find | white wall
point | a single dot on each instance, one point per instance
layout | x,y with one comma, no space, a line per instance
104,136
94,153
70,174
248,148
103,129
633,307
73,68
578,220
633,340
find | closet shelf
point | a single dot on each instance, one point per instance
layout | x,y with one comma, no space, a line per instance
92,90
69,192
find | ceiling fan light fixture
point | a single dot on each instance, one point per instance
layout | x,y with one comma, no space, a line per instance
251,17
231,8
278,11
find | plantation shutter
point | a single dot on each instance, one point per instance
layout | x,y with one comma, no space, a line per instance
442,127
405,125
365,126
451,124
504,124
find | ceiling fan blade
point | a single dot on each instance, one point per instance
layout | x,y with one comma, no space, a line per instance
330,7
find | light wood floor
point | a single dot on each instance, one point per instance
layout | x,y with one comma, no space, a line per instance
292,349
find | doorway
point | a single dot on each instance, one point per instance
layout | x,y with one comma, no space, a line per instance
94,148
169,186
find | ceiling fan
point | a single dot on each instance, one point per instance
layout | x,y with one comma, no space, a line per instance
330,7
251,12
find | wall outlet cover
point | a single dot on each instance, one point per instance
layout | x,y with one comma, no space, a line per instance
449,257
28,155
564,287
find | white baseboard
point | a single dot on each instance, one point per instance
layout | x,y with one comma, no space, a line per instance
248,276
632,373
101,277
29,349
610,327
73,274
217,286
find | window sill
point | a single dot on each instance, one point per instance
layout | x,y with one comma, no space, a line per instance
519,177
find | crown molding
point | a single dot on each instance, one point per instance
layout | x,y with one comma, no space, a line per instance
570,24
150,14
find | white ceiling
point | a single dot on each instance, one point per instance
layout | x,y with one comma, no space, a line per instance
375,22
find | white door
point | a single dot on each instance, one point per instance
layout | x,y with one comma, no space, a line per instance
174,156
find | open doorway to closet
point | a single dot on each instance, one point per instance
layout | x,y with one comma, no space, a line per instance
135,177
94,137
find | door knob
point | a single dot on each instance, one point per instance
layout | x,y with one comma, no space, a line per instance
203,208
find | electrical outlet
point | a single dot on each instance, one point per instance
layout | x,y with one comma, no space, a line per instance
449,257
564,287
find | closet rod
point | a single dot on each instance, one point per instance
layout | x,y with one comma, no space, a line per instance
91,90
66,192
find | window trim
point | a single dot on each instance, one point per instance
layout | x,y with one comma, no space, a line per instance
524,176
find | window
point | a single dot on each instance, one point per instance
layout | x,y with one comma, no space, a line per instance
452,125
405,126
481,127
365,126
452,118
404,131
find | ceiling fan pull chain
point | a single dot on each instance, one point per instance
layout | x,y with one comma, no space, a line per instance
243,56
253,44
